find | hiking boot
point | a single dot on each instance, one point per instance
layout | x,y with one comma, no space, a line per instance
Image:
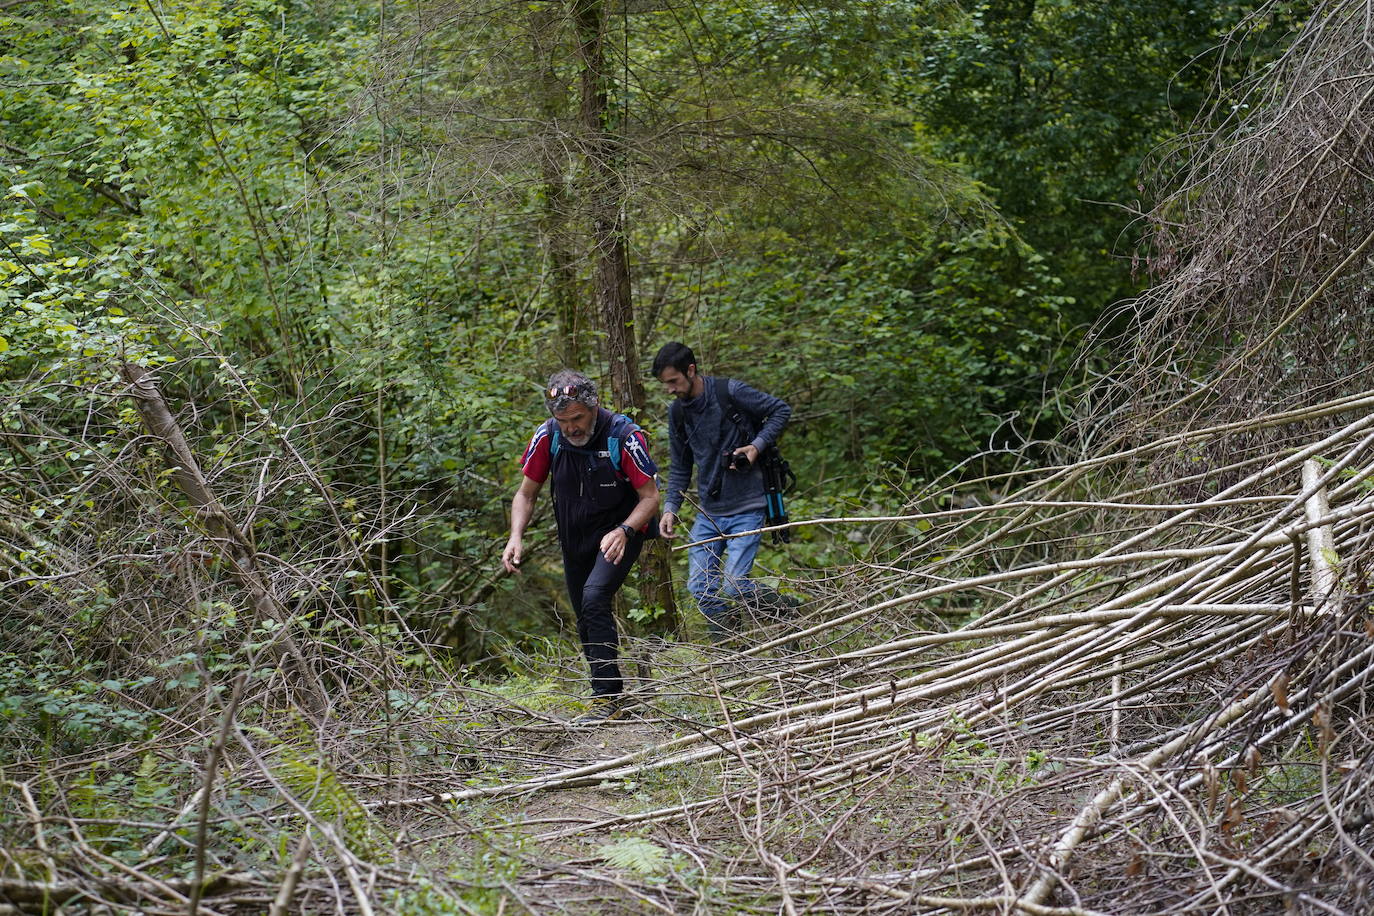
604,709
773,606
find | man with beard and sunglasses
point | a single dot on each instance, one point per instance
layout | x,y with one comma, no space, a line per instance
604,496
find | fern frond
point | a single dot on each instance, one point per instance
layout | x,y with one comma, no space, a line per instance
636,854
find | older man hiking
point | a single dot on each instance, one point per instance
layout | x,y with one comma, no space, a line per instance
604,496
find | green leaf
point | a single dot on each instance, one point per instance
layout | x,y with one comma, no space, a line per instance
635,854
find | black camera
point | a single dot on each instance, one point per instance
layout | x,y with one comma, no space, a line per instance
736,461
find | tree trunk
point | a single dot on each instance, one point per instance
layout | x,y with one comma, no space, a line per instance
554,219
236,545
606,203
611,273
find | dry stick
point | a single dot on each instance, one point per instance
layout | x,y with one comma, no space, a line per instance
976,713
192,804
1062,477
346,857
1182,736
1288,319
877,699
974,511
121,890
1321,549
328,499
1340,405
1103,557
211,768
1159,789
1256,477
1299,832
1128,600
876,694
1003,903
1063,570
1092,813
237,547
1203,570
1336,817
282,902
1257,633
36,819
1260,476
1300,715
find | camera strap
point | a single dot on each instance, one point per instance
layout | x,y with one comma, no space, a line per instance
778,478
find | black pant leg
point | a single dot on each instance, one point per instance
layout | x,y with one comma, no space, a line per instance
592,584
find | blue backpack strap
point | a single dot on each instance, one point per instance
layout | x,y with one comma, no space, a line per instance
622,427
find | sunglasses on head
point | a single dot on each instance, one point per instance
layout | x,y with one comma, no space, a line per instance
567,391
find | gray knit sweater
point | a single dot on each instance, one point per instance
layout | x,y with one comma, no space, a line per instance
699,435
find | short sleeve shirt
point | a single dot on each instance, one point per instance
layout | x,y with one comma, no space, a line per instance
635,462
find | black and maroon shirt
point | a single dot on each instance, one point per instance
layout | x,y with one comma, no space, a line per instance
590,497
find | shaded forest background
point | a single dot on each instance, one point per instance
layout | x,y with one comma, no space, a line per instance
1070,299
366,232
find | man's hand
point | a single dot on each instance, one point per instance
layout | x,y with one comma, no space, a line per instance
613,545
513,555
666,525
748,451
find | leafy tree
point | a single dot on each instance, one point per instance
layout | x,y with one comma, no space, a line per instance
1057,106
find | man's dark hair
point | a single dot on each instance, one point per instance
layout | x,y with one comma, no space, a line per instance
675,355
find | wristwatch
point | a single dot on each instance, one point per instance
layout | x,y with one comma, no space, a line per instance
629,532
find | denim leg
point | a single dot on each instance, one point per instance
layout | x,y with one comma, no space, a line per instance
704,575
739,556
719,570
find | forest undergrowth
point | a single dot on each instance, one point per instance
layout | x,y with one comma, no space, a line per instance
1078,698
1131,678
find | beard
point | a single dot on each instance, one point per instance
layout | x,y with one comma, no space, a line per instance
579,441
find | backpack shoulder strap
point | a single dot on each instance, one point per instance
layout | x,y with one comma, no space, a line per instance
622,427
555,439
728,408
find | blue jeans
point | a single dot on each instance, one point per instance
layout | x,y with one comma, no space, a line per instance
719,570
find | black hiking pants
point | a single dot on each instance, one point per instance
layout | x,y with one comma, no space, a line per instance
592,583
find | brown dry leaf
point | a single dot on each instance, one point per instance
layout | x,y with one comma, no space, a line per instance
1280,691
1234,818
1252,761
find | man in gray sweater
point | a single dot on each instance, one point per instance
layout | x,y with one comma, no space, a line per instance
721,426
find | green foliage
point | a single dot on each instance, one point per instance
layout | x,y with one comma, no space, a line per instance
43,697
327,260
60,310
320,790
116,799
635,854
492,862
423,898
922,344
1057,106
